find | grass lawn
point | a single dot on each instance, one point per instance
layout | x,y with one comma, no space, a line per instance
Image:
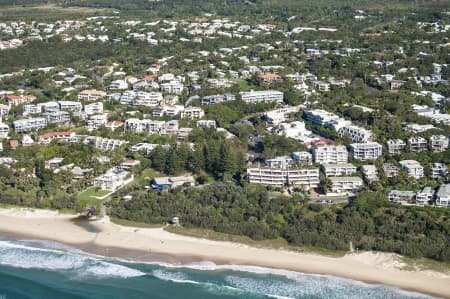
89,196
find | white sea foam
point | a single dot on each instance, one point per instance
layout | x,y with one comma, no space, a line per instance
112,270
291,284
179,277
28,257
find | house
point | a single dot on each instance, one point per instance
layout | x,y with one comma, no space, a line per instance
269,77
113,179
60,136
399,196
206,123
417,144
439,143
396,84
29,124
443,196
79,173
91,95
53,163
175,181
114,125
193,113
27,140
129,164
425,196
218,98
345,184
279,177
390,170
370,172
338,169
412,168
330,154
366,151
262,96
395,146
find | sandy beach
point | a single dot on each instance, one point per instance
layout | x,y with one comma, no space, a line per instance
156,244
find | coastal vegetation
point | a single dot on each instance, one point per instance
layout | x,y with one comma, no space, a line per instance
369,223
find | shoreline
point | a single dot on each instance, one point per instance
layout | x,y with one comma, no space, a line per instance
158,245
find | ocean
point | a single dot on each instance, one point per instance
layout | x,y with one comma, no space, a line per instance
48,270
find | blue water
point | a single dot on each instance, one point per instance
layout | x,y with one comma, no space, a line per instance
40,269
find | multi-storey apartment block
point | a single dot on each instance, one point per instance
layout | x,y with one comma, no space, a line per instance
366,151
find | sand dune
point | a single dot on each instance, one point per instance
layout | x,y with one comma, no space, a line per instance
129,242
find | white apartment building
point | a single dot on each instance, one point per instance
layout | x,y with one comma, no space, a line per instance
438,170
193,113
49,106
400,196
280,162
425,196
118,85
96,121
417,144
439,143
370,172
280,115
395,146
57,117
356,134
70,106
93,108
31,109
218,98
147,147
338,169
4,130
168,111
149,99
280,177
330,154
345,184
390,170
206,123
127,98
321,117
366,151
29,124
443,196
174,87
302,158
144,126
91,95
113,179
412,168
108,144
262,96
4,110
